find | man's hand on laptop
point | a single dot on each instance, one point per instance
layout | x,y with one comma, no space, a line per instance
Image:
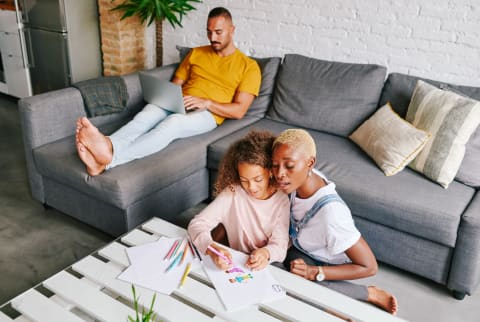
194,103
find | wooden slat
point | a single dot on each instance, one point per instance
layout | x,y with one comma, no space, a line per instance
330,299
293,309
138,237
88,298
163,228
115,252
40,308
206,297
166,307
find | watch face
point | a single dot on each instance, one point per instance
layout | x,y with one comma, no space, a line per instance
320,276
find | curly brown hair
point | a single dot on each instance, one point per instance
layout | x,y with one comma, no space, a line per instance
254,148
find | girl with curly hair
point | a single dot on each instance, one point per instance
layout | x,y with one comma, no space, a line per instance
253,212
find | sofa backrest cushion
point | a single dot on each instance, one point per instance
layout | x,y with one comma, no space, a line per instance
328,96
398,91
269,67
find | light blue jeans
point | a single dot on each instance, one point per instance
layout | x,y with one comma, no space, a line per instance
152,129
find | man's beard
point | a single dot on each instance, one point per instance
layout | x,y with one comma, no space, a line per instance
219,46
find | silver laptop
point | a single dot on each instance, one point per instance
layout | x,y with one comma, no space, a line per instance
162,93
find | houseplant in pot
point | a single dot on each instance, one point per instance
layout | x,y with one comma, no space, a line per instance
157,10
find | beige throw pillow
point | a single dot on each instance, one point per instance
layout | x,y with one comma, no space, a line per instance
451,119
389,140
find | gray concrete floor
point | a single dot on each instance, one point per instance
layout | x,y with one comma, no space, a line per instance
35,242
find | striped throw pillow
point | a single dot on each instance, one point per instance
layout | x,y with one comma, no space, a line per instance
450,119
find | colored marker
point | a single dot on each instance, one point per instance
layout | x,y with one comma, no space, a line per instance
185,251
185,274
170,252
177,248
191,248
197,252
175,262
216,252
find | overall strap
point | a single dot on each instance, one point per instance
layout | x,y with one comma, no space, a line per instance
296,226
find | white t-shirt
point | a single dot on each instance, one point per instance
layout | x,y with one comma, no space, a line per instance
331,231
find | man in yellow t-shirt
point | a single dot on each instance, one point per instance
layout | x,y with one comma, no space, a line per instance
218,82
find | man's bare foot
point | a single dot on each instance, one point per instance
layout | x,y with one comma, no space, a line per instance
98,144
382,299
93,167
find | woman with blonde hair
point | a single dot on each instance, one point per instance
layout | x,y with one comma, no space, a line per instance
327,247
252,211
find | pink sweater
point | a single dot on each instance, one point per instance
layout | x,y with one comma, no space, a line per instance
250,223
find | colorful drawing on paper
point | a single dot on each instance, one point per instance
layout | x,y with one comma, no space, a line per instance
240,275
241,278
234,270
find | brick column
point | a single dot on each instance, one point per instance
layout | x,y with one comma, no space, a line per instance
123,41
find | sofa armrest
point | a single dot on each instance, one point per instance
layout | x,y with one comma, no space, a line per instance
47,118
52,116
465,270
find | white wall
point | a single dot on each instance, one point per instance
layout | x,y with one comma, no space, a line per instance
438,39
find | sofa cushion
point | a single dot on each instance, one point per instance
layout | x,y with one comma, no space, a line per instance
451,119
398,91
123,185
269,68
389,140
405,202
323,95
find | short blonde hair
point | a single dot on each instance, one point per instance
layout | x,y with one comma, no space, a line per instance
299,140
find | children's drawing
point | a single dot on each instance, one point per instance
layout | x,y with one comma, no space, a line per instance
234,270
241,278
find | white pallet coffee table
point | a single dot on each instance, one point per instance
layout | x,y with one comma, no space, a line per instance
89,291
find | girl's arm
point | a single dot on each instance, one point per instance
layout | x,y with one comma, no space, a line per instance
200,227
278,241
276,248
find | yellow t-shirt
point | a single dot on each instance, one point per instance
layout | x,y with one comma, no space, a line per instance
218,78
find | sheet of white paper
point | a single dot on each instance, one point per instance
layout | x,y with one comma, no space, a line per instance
240,287
147,266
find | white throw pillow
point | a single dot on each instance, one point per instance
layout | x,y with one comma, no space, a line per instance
451,119
389,140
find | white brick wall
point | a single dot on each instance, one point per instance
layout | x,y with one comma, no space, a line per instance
438,39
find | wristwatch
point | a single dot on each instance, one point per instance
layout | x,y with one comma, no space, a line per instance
320,276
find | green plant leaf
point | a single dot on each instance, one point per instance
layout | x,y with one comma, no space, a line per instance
156,10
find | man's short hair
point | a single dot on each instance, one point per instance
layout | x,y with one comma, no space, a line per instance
220,12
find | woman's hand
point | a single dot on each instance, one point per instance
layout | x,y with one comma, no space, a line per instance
258,259
300,268
220,262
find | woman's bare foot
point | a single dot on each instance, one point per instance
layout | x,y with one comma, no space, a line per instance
382,299
98,144
93,167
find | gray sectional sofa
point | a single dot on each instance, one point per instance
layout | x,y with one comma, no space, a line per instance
409,221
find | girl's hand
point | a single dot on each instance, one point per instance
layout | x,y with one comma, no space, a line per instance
300,268
258,259
220,262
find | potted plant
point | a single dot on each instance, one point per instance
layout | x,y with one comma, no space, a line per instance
157,10
148,316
